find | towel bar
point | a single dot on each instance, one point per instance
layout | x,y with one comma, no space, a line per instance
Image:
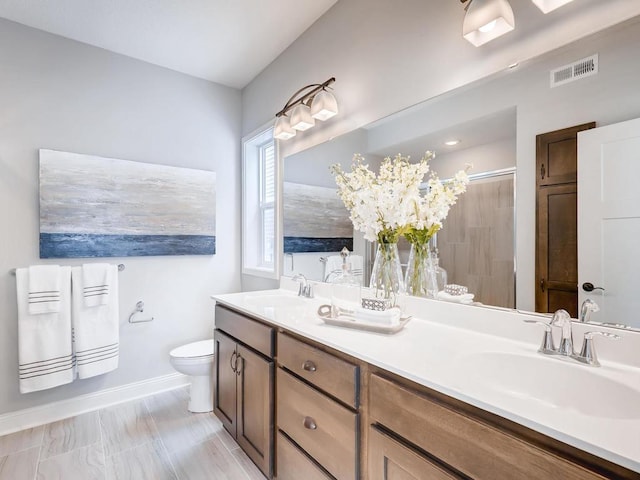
121,267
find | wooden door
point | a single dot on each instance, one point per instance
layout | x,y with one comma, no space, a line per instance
609,223
255,408
391,460
225,396
556,220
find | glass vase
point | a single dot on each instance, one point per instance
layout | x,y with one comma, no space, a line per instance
416,278
387,281
424,276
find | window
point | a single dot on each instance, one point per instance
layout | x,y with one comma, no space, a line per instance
267,203
260,218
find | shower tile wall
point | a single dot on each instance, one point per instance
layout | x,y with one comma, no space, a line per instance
476,244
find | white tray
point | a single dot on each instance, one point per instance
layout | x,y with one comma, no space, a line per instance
349,322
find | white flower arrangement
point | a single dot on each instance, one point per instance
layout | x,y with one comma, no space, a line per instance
390,204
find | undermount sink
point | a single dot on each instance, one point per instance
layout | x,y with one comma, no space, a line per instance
549,382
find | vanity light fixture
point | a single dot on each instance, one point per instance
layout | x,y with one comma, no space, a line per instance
549,5
310,103
486,20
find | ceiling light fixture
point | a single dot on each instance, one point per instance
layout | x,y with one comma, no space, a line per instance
486,20
549,5
310,103
452,142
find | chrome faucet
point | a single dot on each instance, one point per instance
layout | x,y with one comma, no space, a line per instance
305,289
562,319
588,307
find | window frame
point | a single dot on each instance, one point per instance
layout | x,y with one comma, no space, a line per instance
253,206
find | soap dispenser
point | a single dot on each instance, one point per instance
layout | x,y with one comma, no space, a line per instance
345,289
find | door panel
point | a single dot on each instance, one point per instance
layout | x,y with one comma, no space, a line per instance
255,408
391,460
609,220
225,398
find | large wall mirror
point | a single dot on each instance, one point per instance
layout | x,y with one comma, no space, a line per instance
488,241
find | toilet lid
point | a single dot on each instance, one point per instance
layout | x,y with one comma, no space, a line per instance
202,348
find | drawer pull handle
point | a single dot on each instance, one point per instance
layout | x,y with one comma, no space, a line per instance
309,423
309,366
234,361
239,364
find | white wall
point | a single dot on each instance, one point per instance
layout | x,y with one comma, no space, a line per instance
59,94
374,50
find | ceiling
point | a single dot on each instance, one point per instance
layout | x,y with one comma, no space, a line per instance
225,41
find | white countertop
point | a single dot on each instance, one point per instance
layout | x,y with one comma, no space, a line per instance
457,350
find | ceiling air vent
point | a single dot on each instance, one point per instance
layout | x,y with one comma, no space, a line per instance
575,71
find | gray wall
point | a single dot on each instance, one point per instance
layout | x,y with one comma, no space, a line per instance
63,95
379,68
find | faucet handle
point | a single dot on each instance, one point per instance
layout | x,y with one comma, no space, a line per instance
546,346
588,353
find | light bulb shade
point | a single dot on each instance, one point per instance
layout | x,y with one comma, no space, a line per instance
282,130
324,106
301,118
549,5
479,27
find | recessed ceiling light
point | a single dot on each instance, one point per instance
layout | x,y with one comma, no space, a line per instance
451,143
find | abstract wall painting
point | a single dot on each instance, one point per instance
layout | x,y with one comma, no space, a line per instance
103,207
315,220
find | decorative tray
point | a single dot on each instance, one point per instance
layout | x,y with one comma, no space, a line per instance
348,321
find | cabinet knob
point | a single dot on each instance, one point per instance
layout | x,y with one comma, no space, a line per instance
309,423
309,366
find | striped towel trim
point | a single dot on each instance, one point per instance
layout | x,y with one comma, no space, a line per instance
96,290
98,354
46,367
44,296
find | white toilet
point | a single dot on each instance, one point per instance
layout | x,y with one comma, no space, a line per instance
196,359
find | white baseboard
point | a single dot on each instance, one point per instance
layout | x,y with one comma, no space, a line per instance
51,412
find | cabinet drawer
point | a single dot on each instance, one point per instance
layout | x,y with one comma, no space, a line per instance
295,465
470,446
254,334
327,372
321,426
391,460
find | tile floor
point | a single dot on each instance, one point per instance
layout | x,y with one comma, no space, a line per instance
154,438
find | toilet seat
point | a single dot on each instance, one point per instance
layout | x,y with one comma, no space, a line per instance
203,348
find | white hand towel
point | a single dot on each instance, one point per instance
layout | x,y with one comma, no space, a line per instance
97,283
382,317
44,289
45,353
95,330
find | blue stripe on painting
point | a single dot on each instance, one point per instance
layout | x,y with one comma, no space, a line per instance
78,245
310,244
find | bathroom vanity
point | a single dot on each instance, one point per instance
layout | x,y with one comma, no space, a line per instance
445,398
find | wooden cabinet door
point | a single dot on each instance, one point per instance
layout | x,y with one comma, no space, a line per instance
392,460
558,256
225,396
255,408
556,220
